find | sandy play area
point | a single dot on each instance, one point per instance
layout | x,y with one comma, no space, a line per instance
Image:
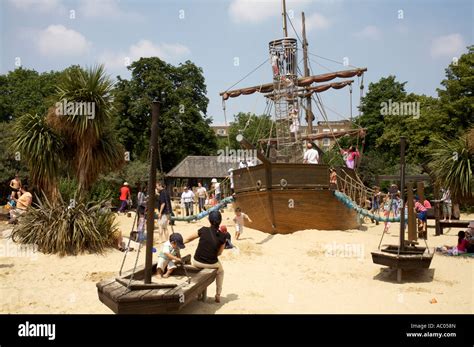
311,271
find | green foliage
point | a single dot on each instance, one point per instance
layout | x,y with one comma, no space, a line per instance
452,165
384,90
41,148
26,91
184,127
457,99
59,228
75,144
252,127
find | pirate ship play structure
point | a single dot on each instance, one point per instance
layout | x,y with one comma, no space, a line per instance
283,195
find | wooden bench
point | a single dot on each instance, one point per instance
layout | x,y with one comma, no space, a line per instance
453,224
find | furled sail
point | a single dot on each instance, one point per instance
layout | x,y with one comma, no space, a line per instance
301,82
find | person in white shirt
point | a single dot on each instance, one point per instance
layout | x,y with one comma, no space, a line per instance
311,156
231,179
217,190
187,198
239,221
202,196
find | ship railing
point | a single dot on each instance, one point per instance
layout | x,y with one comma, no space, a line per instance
354,189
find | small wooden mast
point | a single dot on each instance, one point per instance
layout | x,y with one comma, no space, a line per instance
283,13
150,223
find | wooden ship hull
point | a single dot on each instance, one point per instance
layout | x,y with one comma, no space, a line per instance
282,198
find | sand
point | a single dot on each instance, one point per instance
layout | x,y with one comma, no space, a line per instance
310,271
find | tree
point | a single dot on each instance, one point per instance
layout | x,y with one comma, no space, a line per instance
452,163
183,125
26,91
252,127
457,99
384,90
73,142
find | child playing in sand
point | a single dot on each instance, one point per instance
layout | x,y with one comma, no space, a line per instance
461,247
228,243
239,222
169,255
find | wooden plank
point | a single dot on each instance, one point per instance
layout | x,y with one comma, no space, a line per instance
412,235
139,285
133,295
298,210
102,284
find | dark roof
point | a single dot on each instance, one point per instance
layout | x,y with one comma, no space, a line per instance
201,167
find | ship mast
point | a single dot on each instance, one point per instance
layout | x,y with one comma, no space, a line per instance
283,13
309,112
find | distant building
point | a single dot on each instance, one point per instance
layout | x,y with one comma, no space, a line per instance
220,130
324,127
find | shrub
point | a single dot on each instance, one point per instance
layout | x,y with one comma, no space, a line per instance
65,229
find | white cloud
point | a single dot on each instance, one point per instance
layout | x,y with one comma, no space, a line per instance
57,40
37,5
103,9
256,11
144,49
370,32
447,46
316,21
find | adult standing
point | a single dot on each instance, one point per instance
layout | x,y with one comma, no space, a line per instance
311,156
447,204
164,211
394,195
124,196
217,189
231,180
187,198
141,201
202,196
210,247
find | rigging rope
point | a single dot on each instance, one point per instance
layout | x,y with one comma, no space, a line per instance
247,75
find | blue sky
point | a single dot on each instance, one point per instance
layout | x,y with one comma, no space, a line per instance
52,34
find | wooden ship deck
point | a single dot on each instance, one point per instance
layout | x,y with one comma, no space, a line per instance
161,296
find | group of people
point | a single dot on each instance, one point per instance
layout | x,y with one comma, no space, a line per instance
19,199
465,242
351,155
212,242
188,197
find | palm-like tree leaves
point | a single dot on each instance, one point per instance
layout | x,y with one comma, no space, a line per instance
452,165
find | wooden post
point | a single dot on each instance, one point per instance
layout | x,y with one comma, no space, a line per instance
420,191
283,13
437,215
412,235
402,193
150,222
309,112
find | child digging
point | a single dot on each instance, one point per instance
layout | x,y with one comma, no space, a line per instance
169,255
239,221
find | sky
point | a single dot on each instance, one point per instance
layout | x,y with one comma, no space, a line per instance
415,40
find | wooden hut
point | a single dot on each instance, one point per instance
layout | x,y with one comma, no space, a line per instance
198,168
